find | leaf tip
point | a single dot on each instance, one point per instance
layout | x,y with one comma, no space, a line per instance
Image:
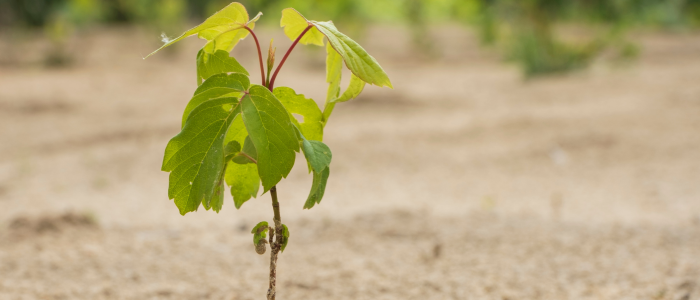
255,19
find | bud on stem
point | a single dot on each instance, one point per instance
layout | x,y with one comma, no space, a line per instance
270,62
260,247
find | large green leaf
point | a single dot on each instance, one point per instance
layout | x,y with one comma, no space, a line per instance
294,24
318,188
272,132
223,29
216,86
195,157
209,64
312,125
244,182
356,58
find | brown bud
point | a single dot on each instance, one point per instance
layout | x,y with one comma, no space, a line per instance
270,58
260,247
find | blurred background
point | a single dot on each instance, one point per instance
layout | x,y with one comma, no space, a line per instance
533,149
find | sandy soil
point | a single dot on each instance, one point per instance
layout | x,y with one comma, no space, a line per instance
465,182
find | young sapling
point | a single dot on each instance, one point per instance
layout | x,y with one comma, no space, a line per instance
243,135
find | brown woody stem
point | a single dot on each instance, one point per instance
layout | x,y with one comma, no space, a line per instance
274,245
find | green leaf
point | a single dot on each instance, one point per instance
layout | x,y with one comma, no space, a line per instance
318,187
215,87
236,132
217,199
260,227
272,132
210,64
294,24
249,150
195,156
356,58
354,89
334,68
231,149
228,39
285,237
317,154
223,26
244,182
312,125
259,232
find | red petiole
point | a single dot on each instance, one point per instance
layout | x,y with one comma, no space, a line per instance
262,69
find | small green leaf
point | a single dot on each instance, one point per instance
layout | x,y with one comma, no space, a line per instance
260,227
334,68
259,232
272,132
231,149
285,237
195,157
243,180
312,125
215,87
236,132
356,58
249,150
227,22
317,154
294,24
209,64
228,39
353,90
318,188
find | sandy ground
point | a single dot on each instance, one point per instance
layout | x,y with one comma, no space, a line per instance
465,182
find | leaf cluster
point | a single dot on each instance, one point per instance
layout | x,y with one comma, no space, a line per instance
244,135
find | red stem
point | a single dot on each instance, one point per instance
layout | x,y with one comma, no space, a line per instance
272,81
262,70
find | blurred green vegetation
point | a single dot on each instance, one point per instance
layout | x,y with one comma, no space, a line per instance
542,36
554,36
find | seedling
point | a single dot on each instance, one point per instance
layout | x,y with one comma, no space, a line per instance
243,134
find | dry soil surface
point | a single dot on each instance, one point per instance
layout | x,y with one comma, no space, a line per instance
464,182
